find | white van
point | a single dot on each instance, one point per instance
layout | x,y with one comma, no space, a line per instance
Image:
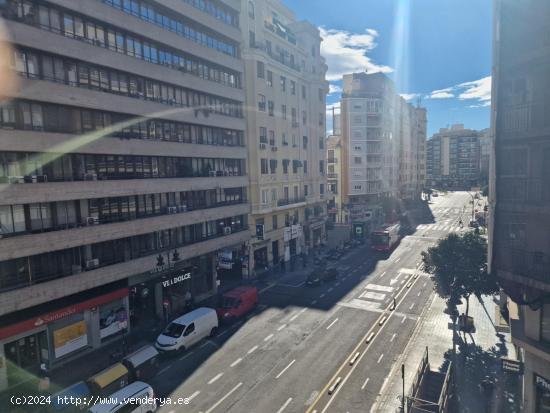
137,397
188,329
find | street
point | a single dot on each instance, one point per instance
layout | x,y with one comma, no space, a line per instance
286,356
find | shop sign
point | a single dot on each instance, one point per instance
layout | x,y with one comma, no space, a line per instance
161,268
70,338
294,231
286,234
113,323
225,259
542,382
50,317
177,279
512,366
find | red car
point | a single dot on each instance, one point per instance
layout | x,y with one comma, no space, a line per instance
237,302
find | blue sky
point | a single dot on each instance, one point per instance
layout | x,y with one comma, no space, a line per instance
439,50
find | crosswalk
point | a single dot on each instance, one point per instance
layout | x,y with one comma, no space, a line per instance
444,227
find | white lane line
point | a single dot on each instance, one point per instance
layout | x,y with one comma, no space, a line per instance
423,285
381,275
314,302
330,289
164,369
236,362
331,324
269,337
185,356
337,284
215,378
322,295
233,390
267,288
412,306
285,369
252,350
365,383
193,396
281,327
404,318
393,337
418,295
283,407
380,358
397,260
294,317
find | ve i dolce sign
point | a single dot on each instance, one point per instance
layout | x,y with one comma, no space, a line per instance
177,279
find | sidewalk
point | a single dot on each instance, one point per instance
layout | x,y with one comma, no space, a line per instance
478,356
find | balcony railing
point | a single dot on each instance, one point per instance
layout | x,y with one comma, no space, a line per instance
529,264
532,191
332,175
332,160
290,201
528,117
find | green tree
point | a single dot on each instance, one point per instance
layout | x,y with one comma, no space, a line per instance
458,267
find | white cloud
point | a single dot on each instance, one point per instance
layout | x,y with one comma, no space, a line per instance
409,96
475,90
346,52
334,89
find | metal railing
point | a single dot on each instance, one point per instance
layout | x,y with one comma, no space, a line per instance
290,201
529,264
535,191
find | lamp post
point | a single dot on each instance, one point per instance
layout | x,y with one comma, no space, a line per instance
473,204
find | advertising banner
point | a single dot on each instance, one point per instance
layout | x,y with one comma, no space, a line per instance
70,338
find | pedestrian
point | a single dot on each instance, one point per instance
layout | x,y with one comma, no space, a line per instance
44,382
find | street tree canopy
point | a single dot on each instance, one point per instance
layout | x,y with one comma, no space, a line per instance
458,267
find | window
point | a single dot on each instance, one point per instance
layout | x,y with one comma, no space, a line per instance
321,142
273,166
303,92
321,94
357,160
272,138
321,189
260,70
251,12
263,166
251,38
293,116
283,111
322,167
330,155
261,103
274,194
304,142
271,108
285,166
283,84
269,78
306,188
292,87
304,117
274,222
263,134
305,167
321,119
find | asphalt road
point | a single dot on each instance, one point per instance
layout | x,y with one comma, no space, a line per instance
287,355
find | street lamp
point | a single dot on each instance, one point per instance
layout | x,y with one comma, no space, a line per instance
473,204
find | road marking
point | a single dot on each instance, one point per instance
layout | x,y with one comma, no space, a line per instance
185,356
381,275
236,362
337,284
252,350
393,337
330,289
314,302
423,285
285,369
397,260
411,307
268,287
377,287
284,405
233,390
281,327
418,295
380,358
216,377
322,295
269,337
365,383
331,324
193,396
404,318
164,369
402,282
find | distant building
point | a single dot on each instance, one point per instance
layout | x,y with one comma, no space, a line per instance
382,147
484,156
453,158
336,211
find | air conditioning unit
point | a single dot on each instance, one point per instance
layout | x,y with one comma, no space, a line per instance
92,263
274,148
92,220
90,177
172,210
262,146
227,230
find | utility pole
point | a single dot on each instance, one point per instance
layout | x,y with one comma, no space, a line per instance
403,391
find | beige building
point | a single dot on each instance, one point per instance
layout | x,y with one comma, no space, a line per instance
285,94
519,252
382,149
336,211
122,170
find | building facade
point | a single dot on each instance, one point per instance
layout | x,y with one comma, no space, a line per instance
123,173
519,186
484,156
336,211
285,94
382,140
453,158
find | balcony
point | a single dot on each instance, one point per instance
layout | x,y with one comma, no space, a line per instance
528,118
332,160
529,191
332,175
278,58
528,264
290,201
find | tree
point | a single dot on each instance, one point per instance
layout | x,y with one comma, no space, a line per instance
458,267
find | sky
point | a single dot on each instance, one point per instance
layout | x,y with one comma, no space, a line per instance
438,51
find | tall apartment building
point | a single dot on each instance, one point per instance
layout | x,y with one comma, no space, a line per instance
285,93
453,158
122,169
485,150
519,185
382,139
336,211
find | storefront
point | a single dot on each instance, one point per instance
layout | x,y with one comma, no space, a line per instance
163,292
261,260
55,336
229,266
542,394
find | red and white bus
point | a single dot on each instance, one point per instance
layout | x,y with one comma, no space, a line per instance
385,238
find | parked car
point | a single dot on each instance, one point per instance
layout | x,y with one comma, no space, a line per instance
142,364
237,302
137,397
334,255
321,275
188,329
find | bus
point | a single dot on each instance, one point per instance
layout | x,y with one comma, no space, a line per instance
385,238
